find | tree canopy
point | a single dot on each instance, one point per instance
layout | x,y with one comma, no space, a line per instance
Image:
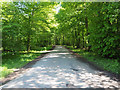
93,26
26,25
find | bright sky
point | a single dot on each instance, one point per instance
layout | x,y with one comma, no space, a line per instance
58,8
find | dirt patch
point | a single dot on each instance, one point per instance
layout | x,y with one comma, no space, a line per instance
112,75
23,69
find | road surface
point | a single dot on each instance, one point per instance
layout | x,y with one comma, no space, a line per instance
60,69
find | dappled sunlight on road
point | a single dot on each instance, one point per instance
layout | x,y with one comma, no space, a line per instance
60,69
44,51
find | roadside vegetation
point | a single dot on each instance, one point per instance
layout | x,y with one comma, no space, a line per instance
107,64
26,30
12,61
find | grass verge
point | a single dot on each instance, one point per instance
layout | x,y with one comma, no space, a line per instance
111,65
12,61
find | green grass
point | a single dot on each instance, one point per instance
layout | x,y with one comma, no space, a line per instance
11,61
111,65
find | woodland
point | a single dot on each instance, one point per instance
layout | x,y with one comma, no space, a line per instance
90,27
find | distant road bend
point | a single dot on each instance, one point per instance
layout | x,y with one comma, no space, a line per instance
60,69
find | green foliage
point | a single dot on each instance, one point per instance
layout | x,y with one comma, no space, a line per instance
11,61
25,25
99,61
4,72
93,26
88,25
104,29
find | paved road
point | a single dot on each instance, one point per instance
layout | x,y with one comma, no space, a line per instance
59,69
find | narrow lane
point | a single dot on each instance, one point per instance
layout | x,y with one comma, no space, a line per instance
59,69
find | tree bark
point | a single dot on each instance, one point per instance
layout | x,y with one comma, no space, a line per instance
28,43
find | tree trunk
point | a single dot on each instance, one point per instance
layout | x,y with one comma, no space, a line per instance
78,41
83,39
28,43
86,26
28,39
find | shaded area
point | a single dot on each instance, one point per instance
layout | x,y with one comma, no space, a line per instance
55,70
97,62
25,67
